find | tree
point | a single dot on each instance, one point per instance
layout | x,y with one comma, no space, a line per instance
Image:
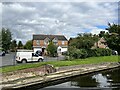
79,46
52,49
6,39
102,33
20,45
0,39
83,41
13,45
113,29
28,45
113,38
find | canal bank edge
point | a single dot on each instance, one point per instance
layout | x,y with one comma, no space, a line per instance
60,74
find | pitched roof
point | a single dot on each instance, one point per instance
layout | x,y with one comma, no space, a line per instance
51,37
102,39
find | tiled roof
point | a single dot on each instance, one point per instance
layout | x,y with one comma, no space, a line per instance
51,37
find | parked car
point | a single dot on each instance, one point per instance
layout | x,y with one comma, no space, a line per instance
25,56
114,52
2,53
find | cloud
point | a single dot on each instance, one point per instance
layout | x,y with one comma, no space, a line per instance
97,30
68,18
60,1
0,16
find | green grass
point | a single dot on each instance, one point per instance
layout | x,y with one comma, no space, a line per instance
91,60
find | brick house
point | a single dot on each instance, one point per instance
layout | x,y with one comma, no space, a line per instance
101,43
41,41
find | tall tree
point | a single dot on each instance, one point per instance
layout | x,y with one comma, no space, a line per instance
28,45
13,45
0,39
20,45
6,39
83,41
102,33
113,38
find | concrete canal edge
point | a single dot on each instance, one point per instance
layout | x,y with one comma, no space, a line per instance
56,76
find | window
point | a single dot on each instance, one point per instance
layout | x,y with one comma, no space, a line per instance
63,42
37,42
55,41
46,41
34,55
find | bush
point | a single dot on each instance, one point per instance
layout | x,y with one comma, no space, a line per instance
52,50
65,53
78,53
84,53
99,52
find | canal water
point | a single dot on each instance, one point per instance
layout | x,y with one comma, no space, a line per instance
105,80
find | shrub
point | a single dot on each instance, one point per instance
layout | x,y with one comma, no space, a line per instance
99,52
78,53
84,53
52,49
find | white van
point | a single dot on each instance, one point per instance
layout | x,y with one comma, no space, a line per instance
25,56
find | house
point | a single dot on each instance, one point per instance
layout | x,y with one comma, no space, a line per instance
101,43
41,41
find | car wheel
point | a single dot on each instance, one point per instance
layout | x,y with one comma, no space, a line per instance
24,61
40,59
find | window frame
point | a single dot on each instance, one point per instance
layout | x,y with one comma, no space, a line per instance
37,42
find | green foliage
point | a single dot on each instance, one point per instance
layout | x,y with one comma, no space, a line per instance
80,53
0,39
83,41
52,49
20,45
79,46
102,33
13,45
71,51
99,52
28,45
84,53
113,28
77,53
6,39
113,38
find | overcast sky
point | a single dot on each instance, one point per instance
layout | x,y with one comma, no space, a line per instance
67,18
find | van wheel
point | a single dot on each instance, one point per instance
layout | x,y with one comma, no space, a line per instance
40,59
24,61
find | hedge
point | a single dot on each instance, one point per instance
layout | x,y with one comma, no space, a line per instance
100,52
84,53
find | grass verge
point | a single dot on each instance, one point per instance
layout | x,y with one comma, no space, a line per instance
91,60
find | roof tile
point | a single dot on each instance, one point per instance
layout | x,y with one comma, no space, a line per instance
51,37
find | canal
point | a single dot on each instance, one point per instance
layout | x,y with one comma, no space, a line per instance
104,80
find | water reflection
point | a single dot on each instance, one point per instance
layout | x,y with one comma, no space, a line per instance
101,80
107,80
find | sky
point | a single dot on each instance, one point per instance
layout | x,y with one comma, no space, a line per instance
60,18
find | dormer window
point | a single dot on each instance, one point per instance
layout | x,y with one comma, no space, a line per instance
55,41
38,42
46,41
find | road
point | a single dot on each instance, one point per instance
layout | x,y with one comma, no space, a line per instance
9,59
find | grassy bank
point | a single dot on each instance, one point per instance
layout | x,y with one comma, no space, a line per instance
91,60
